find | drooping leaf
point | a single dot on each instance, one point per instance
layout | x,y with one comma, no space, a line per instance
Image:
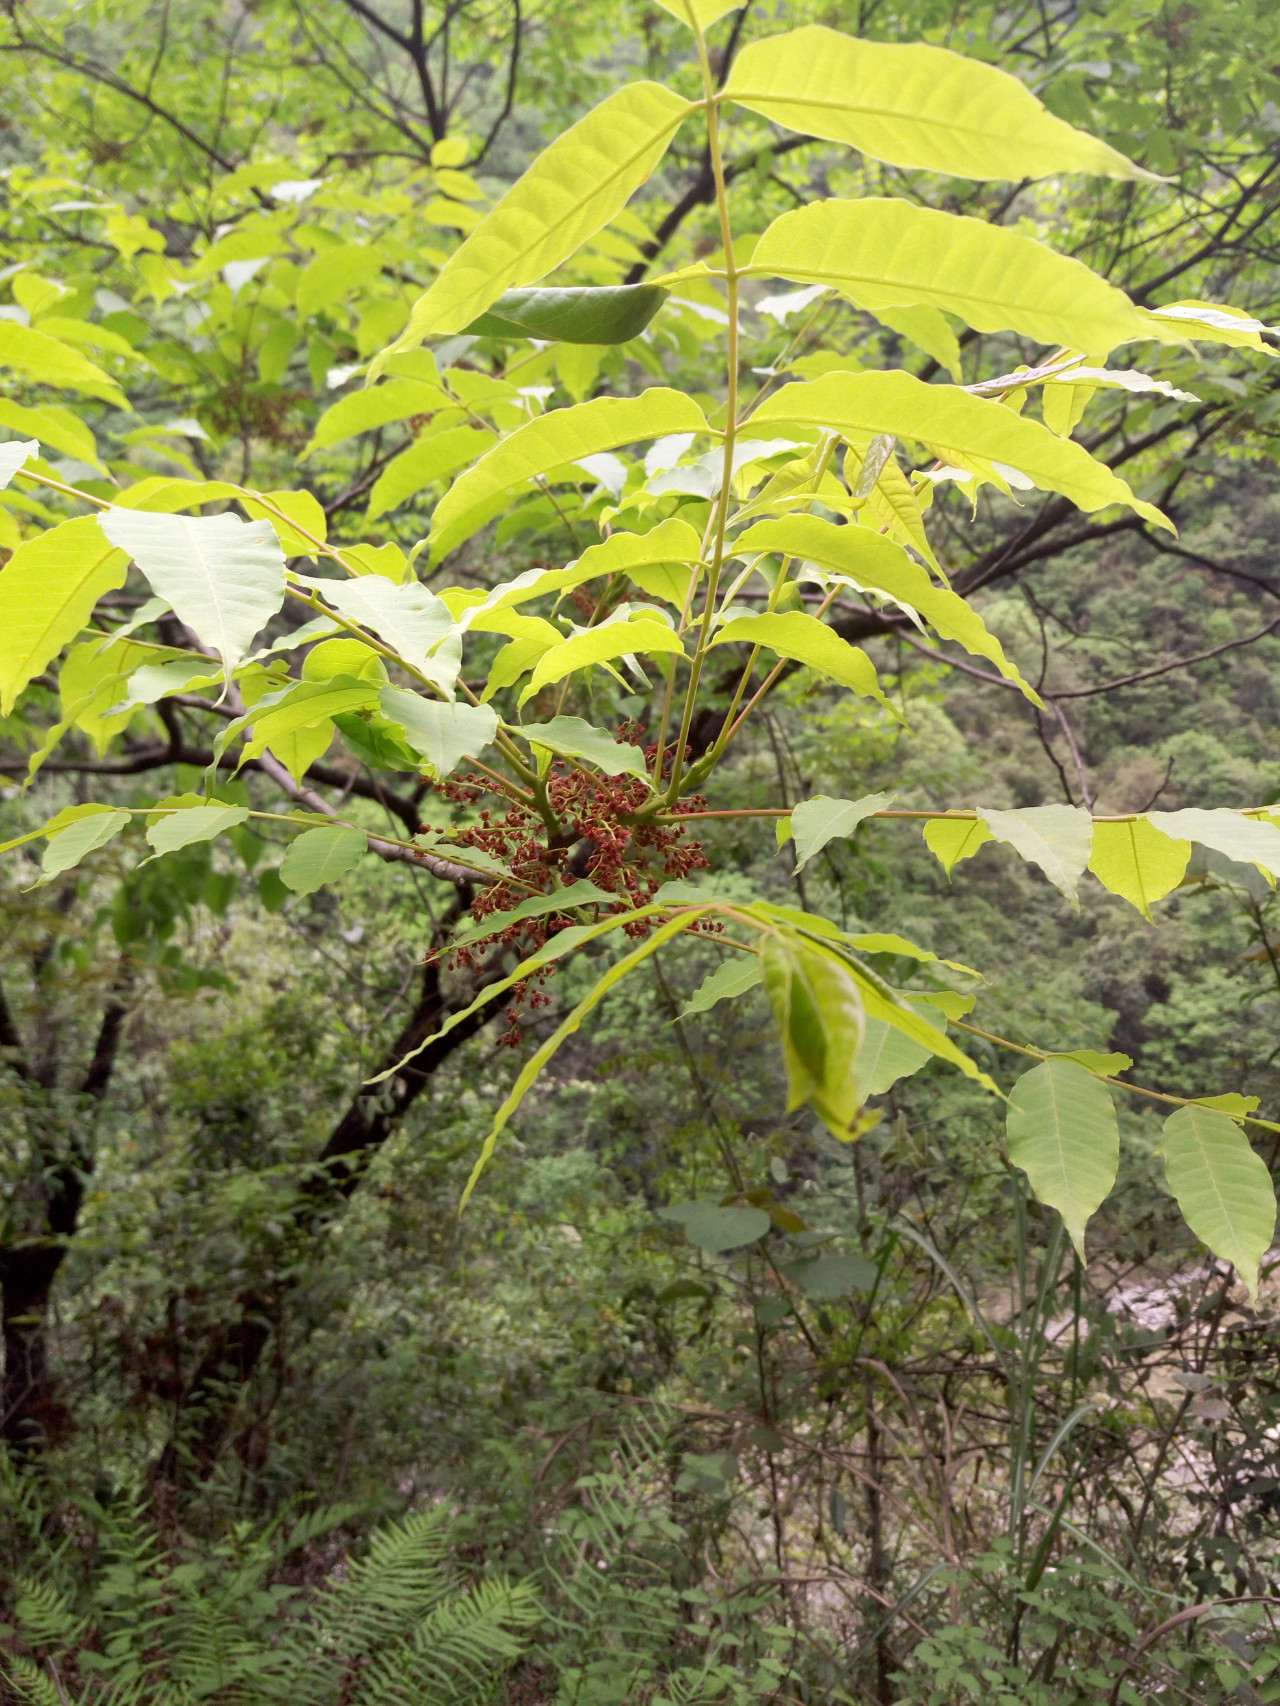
554,440
47,590
954,424
879,565
928,329
191,824
575,738
39,357
1063,1134
1057,838
1247,840
224,577
733,978
443,734
819,820
913,105
587,314
320,856
820,1016
793,634
361,411
77,831
570,191
601,645
428,459
952,839
1136,861
886,253
303,705
1223,1188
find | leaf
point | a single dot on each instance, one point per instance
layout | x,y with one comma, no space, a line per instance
1206,322
953,839
1247,840
793,634
581,893
877,564
575,738
1136,861
1222,1186
715,1229
320,856
224,577
1057,838
1106,1065
819,1013
87,828
443,734
599,645
552,440
12,457
297,518
605,314
672,541
570,191
829,1277
885,253
953,423
929,330
302,705
819,820
427,460
887,1055
731,979
1062,1132
333,274
55,427
412,621
49,362
397,400
189,824
47,590
915,106
699,14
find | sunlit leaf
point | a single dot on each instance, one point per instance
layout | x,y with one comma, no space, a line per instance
47,361
574,738
193,823
819,820
443,734
1247,840
793,634
47,590
952,839
1136,861
600,645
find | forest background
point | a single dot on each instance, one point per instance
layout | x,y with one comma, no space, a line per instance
265,1439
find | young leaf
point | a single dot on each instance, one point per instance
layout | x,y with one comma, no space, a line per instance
427,460
224,577
47,590
1057,838
397,400
551,441
672,541
1136,861
569,192
885,253
819,1012
443,734
574,738
48,362
600,645
87,828
303,705
192,823
321,856
733,978
1247,840
951,839
411,620
915,106
604,314
793,634
879,565
1063,1134
1223,1188
954,424
819,820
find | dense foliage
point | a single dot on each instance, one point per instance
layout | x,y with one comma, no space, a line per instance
469,561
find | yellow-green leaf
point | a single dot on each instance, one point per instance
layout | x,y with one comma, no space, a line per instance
320,856
55,427
699,14
1057,838
397,400
427,460
601,645
885,253
1063,1134
951,839
47,590
1223,1188
630,554
42,358
818,1008
1136,861
570,191
793,634
953,423
913,105
304,705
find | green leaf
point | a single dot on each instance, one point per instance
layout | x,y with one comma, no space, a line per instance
302,705
570,191
55,427
47,590
699,14
793,634
1223,1187
224,577
397,400
574,738
1057,838
1247,840
887,1055
87,828
672,541
885,253
951,839
820,1015
915,106
1063,1134
321,856
412,621
551,441
828,1277
877,564
334,273
1136,861
715,1229
952,423
189,824
819,820
582,893
928,329
600,645
604,314
42,358
443,734
1107,1065
731,979
428,459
